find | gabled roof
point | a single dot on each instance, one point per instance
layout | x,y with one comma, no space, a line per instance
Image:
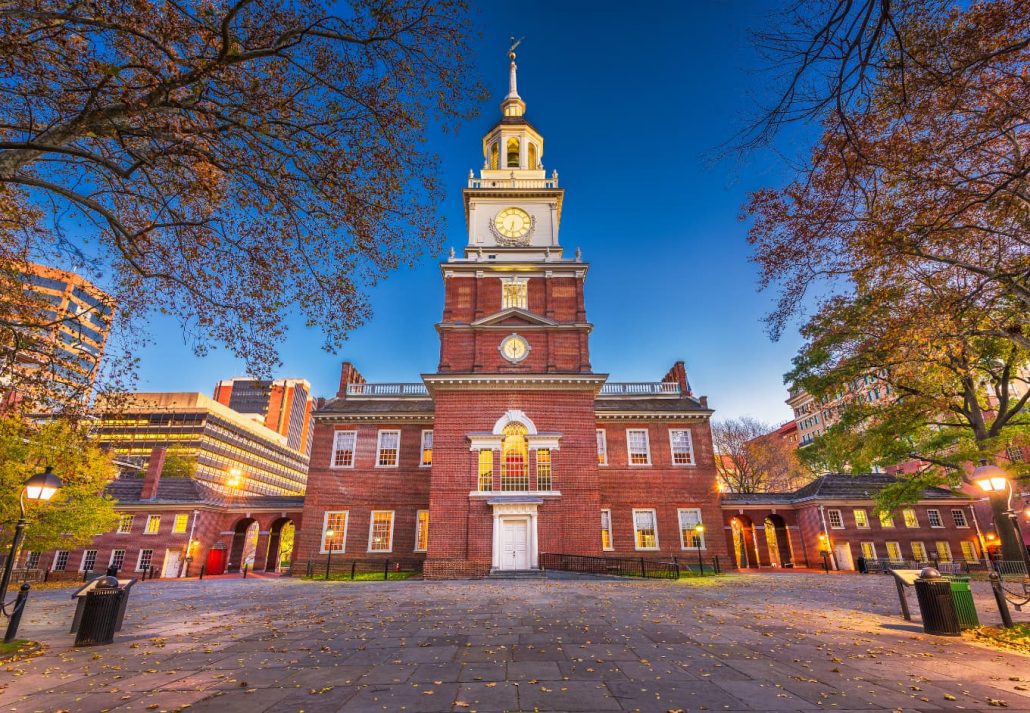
838,486
518,314
187,491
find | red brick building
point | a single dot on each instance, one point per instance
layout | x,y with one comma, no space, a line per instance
514,446
836,513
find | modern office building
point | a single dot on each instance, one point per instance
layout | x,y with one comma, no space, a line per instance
284,405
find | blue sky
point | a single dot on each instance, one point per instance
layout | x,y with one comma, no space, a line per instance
633,107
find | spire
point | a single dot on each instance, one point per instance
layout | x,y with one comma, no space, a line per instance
513,104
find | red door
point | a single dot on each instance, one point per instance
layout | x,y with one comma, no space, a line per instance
215,562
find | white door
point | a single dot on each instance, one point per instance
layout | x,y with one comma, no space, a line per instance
515,544
842,553
171,568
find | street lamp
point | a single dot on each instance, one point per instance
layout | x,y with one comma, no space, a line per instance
40,487
992,479
699,531
329,551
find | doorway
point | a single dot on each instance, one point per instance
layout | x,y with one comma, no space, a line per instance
514,544
172,564
842,553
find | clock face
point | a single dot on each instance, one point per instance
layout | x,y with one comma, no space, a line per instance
514,348
513,223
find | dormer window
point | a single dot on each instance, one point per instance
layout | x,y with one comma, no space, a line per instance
514,293
512,153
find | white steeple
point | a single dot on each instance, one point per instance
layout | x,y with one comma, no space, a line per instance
513,104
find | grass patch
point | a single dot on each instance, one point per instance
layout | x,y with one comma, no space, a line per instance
17,648
1016,639
360,576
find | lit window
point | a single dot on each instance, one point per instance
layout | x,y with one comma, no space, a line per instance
334,522
646,529
515,458
422,531
886,520
919,552
894,552
836,519
513,153
959,516
934,516
153,525
117,558
389,446
969,551
343,449
514,293
495,155
944,551
486,471
910,517
543,469
861,518
145,558
690,538
89,560
60,560
125,523
602,447
869,550
380,531
638,446
682,448
179,525
606,530
427,449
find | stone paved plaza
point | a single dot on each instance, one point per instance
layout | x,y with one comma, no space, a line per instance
784,642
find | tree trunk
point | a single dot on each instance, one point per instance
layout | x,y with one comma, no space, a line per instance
1012,547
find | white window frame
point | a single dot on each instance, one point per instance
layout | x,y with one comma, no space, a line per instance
110,561
150,519
82,561
602,446
840,519
930,514
690,448
139,559
422,451
379,448
182,517
57,556
128,516
865,518
969,556
962,513
679,523
654,519
353,449
611,534
371,524
897,546
947,546
647,448
872,548
926,552
418,529
325,524
915,517
519,288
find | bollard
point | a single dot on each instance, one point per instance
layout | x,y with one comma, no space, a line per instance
353,568
203,568
826,561
642,572
311,569
715,564
19,606
245,571
152,570
999,596
386,571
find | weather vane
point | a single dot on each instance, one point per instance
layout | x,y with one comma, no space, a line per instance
514,43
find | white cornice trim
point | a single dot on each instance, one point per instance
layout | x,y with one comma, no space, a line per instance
504,382
382,416
662,415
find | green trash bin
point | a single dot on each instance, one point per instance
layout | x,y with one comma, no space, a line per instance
963,598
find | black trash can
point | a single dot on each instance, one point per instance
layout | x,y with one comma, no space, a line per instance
936,604
860,563
100,614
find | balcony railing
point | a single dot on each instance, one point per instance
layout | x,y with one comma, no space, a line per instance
643,388
513,182
387,390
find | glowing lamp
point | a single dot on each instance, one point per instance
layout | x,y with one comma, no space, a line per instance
42,486
990,478
699,528
330,533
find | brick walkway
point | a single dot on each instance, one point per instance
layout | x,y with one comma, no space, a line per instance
794,642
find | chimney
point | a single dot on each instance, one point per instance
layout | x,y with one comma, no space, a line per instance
348,375
678,374
152,478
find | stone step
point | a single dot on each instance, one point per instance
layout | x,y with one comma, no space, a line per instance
517,574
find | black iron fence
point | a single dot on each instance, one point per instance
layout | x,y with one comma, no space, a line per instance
358,569
616,566
980,569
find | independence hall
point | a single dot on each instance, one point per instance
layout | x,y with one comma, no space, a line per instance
514,446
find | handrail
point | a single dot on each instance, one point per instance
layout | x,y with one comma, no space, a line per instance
641,388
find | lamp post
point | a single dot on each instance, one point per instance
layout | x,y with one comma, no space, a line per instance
699,531
40,487
329,551
992,479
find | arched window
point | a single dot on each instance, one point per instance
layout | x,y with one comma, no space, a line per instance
532,156
495,155
513,153
515,458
